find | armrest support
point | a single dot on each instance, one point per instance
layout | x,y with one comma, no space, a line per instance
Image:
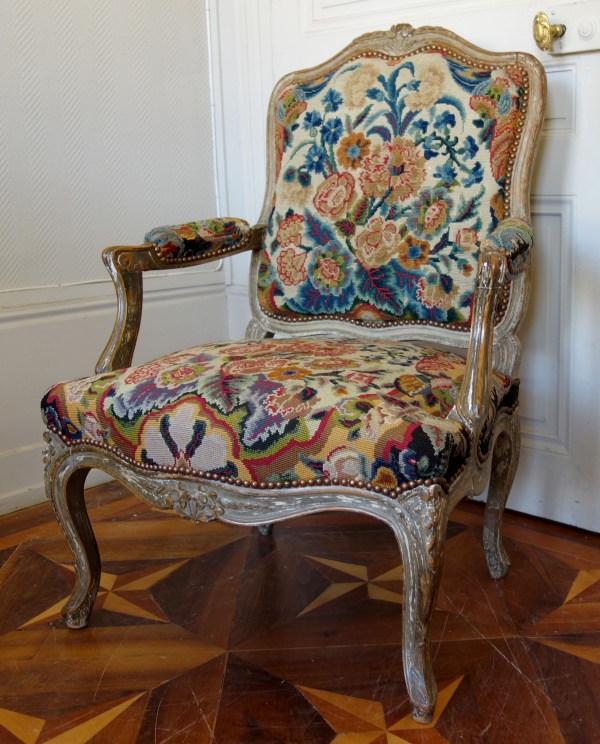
504,254
168,247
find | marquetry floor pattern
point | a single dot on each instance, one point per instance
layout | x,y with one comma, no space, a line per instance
210,633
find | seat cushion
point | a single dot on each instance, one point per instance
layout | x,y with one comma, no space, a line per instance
280,410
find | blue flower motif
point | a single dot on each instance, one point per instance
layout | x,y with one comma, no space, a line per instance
375,94
471,148
316,158
445,120
504,102
445,173
312,119
428,150
332,100
475,176
332,130
419,124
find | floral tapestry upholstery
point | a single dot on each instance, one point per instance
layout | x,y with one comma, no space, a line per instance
390,173
191,239
280,410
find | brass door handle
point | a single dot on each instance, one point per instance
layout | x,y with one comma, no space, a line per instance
545,32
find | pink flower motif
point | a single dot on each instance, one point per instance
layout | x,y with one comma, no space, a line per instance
334,194
359,378
91,427
251,366
290,230
329,271
291,267
377,243
398,168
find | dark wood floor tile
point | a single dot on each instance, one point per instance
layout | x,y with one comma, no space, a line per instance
536,584
125,728
29,584
509,695
572,684
183,710
470,604
201,595
274,590
88,720
259,707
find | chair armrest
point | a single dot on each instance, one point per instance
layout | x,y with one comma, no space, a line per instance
505,254
515,237
170,247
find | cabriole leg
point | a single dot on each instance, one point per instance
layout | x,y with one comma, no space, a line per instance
420,536
66,494
504,466
265,529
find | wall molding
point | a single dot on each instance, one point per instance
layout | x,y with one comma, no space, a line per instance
561,112
325,16
552,433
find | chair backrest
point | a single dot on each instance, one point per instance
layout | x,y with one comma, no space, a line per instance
387,167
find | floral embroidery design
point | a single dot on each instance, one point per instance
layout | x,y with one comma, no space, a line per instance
398,168
281,409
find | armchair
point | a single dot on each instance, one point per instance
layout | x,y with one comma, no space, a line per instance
396,216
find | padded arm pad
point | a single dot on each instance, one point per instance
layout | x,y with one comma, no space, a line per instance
516,238
192,239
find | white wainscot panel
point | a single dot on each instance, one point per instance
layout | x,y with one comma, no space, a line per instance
53,334
560,109
546,333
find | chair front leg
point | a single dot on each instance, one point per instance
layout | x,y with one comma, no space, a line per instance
420,529
65,490
505,460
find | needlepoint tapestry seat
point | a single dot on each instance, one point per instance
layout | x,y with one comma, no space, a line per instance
282,411
395,223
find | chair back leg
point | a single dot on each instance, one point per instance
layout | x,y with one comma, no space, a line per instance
505,460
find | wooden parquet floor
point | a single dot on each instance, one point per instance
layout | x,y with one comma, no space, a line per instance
210,633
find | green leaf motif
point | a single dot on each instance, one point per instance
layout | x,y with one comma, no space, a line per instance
361,211
346,227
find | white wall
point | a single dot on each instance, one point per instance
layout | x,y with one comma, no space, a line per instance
258,41
105,132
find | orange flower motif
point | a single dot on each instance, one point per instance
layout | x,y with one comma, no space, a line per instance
399,168
377,243
413,253
288,372
353,150
334,194
291,266
467,238
290,230
484,107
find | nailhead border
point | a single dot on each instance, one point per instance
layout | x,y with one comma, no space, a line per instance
86,444
214,253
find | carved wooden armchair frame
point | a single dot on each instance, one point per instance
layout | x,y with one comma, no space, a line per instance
416,511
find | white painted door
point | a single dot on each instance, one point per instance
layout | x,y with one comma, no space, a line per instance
257,41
